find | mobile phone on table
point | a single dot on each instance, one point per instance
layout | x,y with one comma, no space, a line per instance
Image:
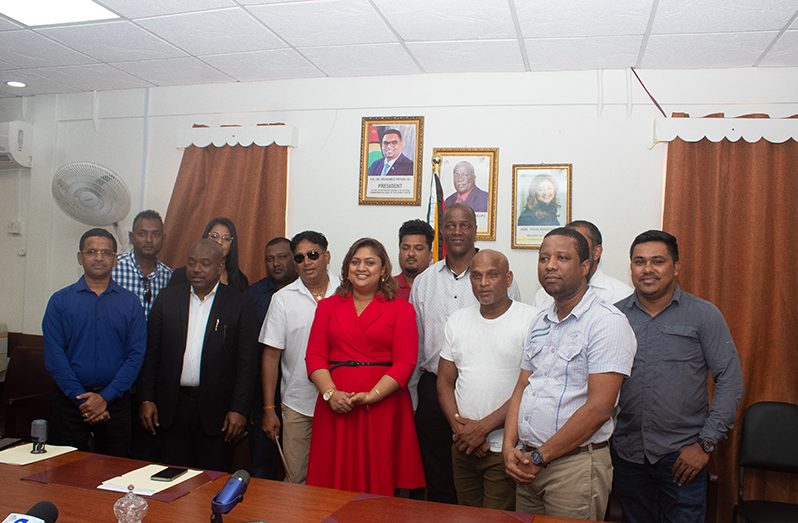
169,474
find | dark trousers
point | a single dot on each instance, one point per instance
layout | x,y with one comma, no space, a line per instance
185,442
67,427
143,444
435,441
648,494
265,458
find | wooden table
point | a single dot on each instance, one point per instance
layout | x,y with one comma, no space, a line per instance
270,501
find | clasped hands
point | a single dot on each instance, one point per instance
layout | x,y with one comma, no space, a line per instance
342,402
94,408
519,467
470,436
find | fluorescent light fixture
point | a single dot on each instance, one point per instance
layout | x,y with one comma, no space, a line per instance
49,12
14,83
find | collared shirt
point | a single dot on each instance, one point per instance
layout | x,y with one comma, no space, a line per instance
127,274
664,402
402,286
199,310
594,338
462,197
287,328
437,293
608,289
94,342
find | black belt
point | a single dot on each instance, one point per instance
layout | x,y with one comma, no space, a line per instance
577,450
353,363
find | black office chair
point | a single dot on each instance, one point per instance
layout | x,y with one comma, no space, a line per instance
26,392
770,434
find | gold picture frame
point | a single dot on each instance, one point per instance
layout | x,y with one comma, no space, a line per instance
476,183
391,150
534,215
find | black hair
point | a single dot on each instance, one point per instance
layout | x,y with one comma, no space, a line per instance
235,278
654,235
417,227
592,230
311,236
582,247
278,239
95,233
392,131
148,214
465,207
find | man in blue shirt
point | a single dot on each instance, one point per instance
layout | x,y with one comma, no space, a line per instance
94,342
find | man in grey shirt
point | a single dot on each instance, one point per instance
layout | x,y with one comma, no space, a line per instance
665,432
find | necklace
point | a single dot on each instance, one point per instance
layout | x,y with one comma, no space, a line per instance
318,295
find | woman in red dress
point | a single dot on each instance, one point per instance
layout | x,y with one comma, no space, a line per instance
362,349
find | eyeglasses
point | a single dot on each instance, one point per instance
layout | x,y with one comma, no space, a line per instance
312,256
147,290
216,236
103,253
392,143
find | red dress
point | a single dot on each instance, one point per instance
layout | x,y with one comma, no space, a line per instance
373,448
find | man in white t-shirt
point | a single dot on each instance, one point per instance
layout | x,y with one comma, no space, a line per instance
285,335
477,371
608,288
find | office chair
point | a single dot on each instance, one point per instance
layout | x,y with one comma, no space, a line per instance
770,434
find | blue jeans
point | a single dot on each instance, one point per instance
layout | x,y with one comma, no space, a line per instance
648,494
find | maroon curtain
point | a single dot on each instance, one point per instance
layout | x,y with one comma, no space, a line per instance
734,208
246,184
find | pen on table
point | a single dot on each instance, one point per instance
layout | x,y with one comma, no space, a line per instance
216,328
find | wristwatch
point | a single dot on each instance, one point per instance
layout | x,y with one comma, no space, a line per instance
537,459
707,445
329,394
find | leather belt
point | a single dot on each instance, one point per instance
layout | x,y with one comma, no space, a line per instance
353,363
578,450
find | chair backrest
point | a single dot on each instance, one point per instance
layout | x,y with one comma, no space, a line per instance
26,391
770,437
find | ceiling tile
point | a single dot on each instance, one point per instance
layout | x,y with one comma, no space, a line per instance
710,50
276,64
361,60
28,49
545,19
36,84
92,77
784,53
457,57
718,16
325,22
6,24
4,65
142,8
604,52
174,71
213,32
113,41
462,19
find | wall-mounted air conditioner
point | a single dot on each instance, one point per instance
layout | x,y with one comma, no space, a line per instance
15,145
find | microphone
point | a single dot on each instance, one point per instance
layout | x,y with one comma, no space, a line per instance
41,512
38,434
230,495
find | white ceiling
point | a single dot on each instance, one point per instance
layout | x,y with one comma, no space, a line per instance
174,42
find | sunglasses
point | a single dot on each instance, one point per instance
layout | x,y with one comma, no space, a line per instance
312,256
147,290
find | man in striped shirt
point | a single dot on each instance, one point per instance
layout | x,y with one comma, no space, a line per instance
139,270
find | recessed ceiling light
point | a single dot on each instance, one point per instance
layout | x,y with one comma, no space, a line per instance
13,83
48,12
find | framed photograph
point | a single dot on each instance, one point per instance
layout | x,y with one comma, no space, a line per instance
470,176
541,202
390,160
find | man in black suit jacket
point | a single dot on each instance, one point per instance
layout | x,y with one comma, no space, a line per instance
202,358
399,164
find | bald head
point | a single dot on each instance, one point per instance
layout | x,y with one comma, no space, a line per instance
490,278
204,266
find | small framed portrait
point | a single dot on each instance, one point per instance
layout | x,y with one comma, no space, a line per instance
470,176
541,202
390,160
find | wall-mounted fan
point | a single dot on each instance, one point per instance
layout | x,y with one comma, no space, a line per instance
91,194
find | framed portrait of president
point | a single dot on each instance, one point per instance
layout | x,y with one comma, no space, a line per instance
390,160
470,176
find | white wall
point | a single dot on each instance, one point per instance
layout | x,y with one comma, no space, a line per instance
572,117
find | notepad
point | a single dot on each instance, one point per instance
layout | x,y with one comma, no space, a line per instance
140,479
21,455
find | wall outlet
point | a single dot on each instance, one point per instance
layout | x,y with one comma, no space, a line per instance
15,227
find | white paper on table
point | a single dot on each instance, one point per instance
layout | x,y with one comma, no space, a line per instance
21,455
140,479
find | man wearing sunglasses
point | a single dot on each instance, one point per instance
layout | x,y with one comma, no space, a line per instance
94,342
285,335
139,270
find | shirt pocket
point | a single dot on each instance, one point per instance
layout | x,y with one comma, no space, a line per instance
570,365
681,342
532,356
